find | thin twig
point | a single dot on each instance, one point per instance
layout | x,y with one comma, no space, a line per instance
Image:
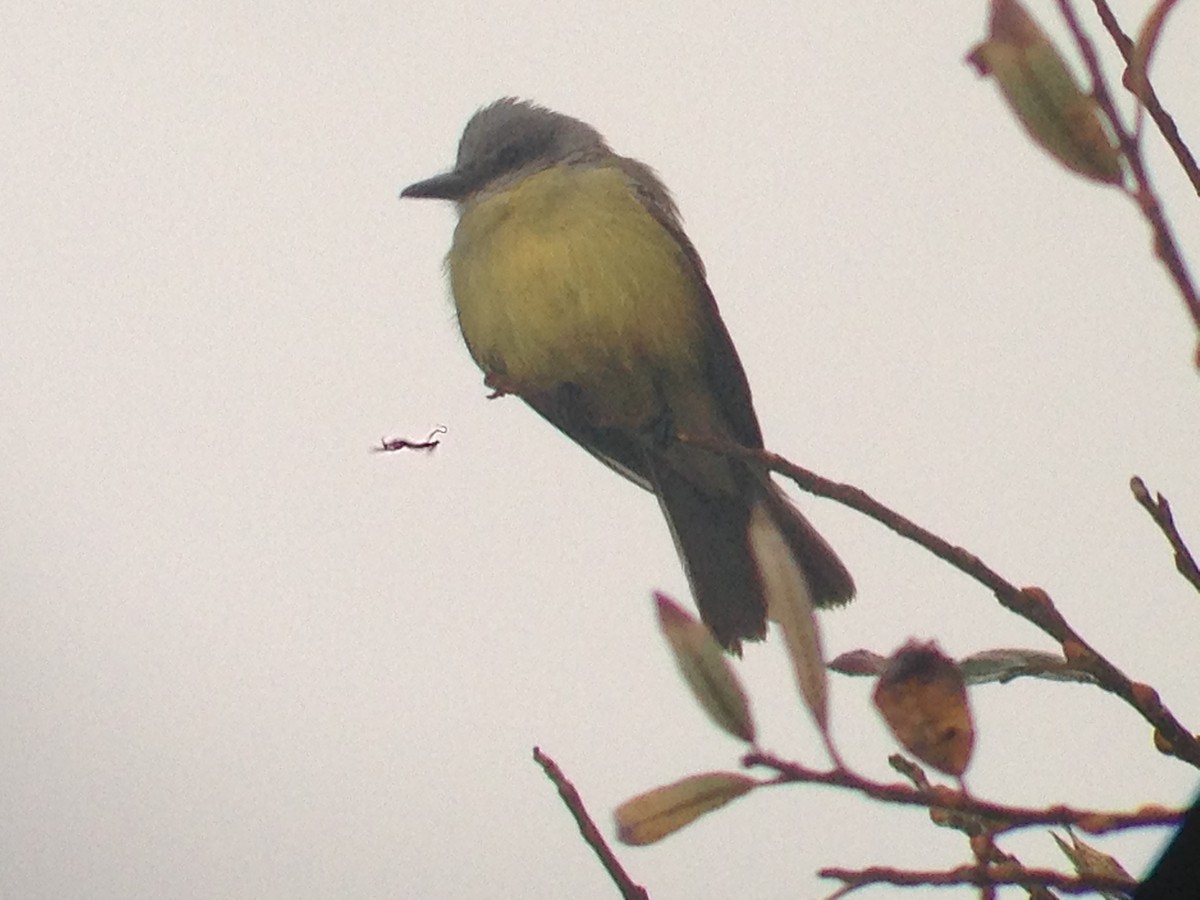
1164,240
971,825
1001,817
993,876
629,889
1160,511
983,850
1163,119
1031,603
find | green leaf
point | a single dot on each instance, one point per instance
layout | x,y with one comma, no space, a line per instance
1044,95
706,669
651,816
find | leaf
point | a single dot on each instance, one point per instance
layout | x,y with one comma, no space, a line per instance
1087,860
1002,664
923,699
1006,664
651,816
1044,95
789,603
706,669
1139,63
858,662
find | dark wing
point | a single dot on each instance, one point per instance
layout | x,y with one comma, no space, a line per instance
722,368
620,450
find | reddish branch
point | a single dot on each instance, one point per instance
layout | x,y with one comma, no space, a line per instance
1001,817
1164,121
629,889
1147,200
1031,603
992,876
1160,511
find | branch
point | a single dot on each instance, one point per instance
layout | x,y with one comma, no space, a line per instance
1031,603
1147,200
1001,817
1164,121
629,889
990,877
1160,511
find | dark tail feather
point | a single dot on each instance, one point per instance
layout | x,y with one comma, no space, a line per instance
828,579
711,531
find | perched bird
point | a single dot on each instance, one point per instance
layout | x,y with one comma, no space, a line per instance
578,291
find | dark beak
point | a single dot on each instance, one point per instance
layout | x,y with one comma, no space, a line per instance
447,186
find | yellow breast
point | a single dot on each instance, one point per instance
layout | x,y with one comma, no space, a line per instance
567,278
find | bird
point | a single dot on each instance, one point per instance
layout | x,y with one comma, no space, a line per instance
577,290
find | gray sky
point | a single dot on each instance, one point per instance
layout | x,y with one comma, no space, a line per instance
242,656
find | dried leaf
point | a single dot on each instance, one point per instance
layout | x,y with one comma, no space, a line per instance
706,669
651,816
1002,664
1139,63
789,603
858,662
922,697
1005,664
1044,95
1087,860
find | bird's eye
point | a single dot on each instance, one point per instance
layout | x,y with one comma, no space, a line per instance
510,156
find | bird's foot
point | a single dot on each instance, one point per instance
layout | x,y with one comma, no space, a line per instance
500,385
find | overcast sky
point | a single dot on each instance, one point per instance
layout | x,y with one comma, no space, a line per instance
242,656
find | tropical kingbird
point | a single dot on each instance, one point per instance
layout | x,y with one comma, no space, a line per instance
578,291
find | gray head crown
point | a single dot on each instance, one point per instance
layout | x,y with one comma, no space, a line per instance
507,141
512,134
512,139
